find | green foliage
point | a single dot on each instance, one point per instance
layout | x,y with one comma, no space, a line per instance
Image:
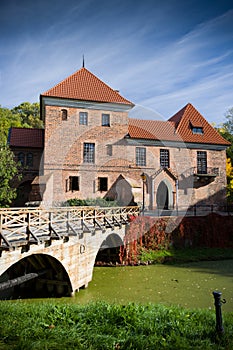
26,115
29,114
229,137
228,125
226,131
102,326
8,170
7,119
174,256
100,202
229,172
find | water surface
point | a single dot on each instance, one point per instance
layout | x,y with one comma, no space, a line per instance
188,285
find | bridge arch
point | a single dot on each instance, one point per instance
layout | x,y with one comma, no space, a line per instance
109,249
59,245
36,275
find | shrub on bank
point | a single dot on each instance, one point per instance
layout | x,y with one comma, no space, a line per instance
38,326
161,239
100,202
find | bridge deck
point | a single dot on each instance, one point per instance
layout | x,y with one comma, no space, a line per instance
24,226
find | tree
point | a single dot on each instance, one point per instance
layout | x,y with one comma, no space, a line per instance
226,130
29,114
229,173
8,171
26,115
228,125
7,119
229,137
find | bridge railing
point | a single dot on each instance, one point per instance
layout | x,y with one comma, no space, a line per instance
21,226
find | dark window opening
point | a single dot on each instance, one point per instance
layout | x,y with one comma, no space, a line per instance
74,183
64,114
89,152
140,156
21,158
164,158
29,159
105,120
201,162
102,184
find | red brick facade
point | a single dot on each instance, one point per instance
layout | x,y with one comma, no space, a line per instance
86,157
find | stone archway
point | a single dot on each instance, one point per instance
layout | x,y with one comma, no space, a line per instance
109,250
164,195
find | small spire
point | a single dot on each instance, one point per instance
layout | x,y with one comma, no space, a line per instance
83,62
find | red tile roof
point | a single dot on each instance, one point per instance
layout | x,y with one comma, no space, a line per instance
177,128
189,117
85,86
152,130
22,137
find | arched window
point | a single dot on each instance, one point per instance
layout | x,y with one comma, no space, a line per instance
64,114
21,158
29,159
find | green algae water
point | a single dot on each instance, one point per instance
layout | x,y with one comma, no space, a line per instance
187,285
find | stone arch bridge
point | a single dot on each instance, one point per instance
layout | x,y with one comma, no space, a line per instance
53,252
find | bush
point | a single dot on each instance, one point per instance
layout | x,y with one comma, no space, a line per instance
100,202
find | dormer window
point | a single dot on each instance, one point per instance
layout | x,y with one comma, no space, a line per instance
197,130
196,127
64,114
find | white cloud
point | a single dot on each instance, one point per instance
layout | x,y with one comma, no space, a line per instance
131,53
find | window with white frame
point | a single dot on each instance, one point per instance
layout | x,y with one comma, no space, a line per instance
140,156
197,130
201,162
89,152
105,119
83,118
164,158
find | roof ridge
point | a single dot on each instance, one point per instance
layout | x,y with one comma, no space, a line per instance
84,85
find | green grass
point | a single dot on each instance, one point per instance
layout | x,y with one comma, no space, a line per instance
185,255
101,326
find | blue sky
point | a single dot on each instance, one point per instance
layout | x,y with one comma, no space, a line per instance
160,54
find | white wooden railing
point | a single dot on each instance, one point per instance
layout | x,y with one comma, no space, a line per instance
24,226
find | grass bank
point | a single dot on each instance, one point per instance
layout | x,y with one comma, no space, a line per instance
174,256
29,326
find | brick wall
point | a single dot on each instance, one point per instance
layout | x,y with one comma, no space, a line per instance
114,156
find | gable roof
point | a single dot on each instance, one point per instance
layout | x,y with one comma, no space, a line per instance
22,137
187,118
177,128
85,86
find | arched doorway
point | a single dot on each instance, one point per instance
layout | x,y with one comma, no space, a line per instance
162,197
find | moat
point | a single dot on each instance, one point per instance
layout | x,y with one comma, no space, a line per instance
189,285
